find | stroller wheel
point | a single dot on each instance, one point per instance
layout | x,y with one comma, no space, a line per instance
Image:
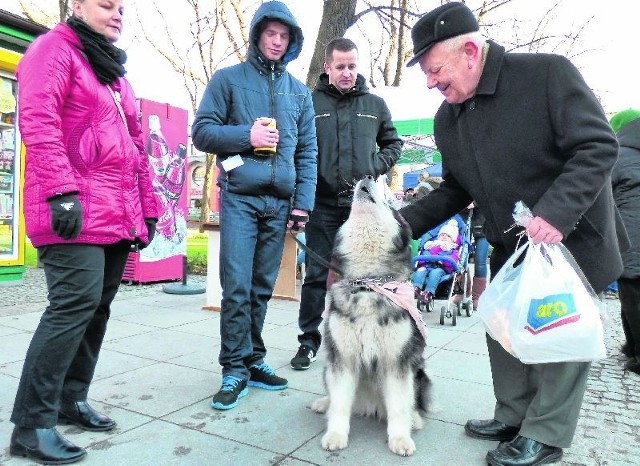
467,307
442,311
454,316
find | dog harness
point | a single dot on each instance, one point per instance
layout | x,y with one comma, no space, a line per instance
401,293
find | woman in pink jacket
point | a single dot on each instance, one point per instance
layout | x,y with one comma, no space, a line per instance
87,200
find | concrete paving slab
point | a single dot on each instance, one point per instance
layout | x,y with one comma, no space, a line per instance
112,363
249,422
162,317
119,329
26,321
156,390
4,331
160,345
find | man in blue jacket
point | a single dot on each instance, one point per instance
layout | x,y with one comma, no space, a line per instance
261,195
356,138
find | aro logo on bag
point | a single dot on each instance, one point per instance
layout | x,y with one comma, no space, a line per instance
550,312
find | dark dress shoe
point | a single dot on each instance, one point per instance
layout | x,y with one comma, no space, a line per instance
84,416
626,350
45,446
490,429
523,451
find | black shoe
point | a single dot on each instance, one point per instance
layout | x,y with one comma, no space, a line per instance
263,376
303,358
633,365
231,391
490,429
523,451
79,413
626,350
45,446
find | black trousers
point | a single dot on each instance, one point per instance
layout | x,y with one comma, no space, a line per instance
82,281
629,293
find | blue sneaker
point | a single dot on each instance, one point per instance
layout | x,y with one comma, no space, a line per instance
231,391
262,376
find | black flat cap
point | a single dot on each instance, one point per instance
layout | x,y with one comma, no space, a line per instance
446,21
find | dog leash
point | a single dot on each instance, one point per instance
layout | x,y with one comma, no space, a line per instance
314,255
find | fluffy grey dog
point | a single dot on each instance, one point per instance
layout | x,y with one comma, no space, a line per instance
375,347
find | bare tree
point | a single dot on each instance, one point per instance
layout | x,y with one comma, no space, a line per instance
337,16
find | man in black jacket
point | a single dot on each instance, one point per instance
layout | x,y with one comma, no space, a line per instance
356,138
520,127
626,192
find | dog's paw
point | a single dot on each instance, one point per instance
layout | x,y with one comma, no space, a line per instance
335,441
321,405
403,446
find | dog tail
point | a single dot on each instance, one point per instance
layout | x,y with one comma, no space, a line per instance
423,392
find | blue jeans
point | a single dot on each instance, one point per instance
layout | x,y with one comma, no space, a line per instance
481,253
252,230
429,278
320,233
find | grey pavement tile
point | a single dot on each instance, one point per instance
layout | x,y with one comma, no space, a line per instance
23,307
13,369
14,347
4,331
438,443
156,390
162,317
460,366
203,358
160,345
160,443
208,327
28,321
470,342
113,363
456,401
118,329
277,420
281,337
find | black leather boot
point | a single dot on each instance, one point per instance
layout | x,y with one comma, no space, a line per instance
79,413
523,451
45,446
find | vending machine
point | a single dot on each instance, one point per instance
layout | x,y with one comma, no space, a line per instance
164,130
12,235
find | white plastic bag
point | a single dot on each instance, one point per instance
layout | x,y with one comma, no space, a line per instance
543,310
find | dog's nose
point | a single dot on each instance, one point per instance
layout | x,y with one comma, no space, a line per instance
369,177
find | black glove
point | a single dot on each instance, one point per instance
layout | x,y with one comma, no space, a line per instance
66,215
151,227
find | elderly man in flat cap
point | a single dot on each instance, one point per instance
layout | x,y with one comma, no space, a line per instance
520,127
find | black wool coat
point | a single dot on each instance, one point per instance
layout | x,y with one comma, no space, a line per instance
626,192
356,138
533,132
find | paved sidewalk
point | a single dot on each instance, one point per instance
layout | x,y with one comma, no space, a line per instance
158,371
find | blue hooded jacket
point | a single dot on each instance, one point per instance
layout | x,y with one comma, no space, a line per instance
237,95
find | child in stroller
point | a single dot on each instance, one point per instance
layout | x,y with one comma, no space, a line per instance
429,272
441,268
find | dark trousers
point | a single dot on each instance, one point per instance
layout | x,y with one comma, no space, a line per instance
82,281
320,232
629,294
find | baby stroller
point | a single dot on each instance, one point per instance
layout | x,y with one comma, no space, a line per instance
455,281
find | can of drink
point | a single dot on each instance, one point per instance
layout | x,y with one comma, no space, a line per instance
266,151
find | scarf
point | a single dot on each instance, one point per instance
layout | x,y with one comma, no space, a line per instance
105,59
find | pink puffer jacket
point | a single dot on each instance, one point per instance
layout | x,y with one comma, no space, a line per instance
76,141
